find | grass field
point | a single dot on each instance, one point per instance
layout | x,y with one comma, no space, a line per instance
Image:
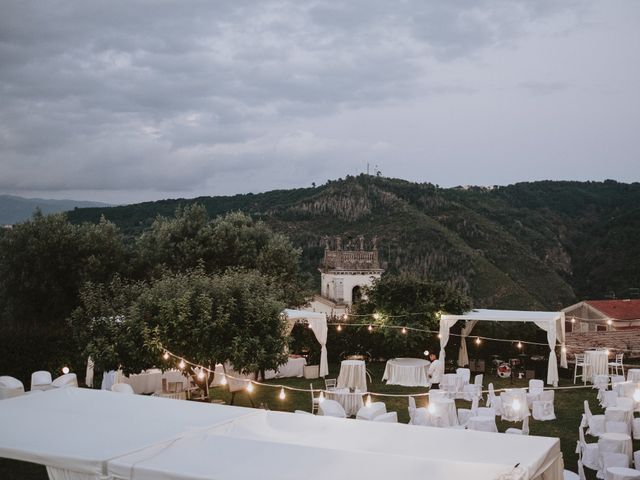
568,407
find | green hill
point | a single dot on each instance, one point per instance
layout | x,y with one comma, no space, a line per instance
528,245
18,209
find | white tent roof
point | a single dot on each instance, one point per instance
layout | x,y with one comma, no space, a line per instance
304,315
507,316
128,437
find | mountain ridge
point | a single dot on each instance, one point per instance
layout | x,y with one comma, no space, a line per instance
14,209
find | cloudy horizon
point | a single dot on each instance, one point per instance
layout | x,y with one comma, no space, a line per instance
129,101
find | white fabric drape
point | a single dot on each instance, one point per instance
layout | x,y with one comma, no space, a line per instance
552,367
320,330
63,474
463,355
88,378
446,322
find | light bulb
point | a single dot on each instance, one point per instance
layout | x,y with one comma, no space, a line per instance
200,374
321,397
439,335
636,395
404,330
607,352
609,322
519,345
282,394
250,387
181,365
573,319
370,328
368,402
65,370
309,326
516,404
477,340
345,316
339,328
431,408
166,355
564,349
223,381
426,353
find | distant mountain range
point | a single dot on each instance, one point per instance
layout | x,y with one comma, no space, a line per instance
18,209
530,245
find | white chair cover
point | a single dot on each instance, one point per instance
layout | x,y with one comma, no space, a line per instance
66,380
514,405
451,384
622,473
331,408
601,382
493,400
543,408
595,423
520,431
40,380
616,427
609,398
625,402
10,387
372,411
464,414
589,452
122,388
610,459
636,431
636,458
465,374
483,424
389,417
536,387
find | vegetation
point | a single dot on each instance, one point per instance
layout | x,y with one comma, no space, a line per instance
529,245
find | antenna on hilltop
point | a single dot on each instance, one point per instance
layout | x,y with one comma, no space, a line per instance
367,168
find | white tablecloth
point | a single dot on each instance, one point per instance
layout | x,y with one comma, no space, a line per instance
408,372
353,374
351,402
152,382
444,409
597,360
633,375
293,368
483,424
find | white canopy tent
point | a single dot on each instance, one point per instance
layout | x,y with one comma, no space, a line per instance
83,434
318,323
551,322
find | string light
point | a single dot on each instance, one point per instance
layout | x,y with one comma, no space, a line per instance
431,409
370,328
309,326
321,397
573,319
250,387
181,365
368,401
519,345
606,351
439,335
404,330
201,374
426,353
345,316
65,370
282,394
609,322
339,328
478,340
166,355
564,349
223,380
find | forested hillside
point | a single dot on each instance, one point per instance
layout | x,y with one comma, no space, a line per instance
528,245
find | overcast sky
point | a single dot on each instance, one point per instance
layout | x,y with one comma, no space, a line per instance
125,101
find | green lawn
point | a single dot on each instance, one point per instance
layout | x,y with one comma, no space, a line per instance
568,407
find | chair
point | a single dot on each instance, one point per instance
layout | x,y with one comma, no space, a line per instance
588,453
418,416
636,458
450,384
636,431
625,402
580,363
486,412
601,382
331,408
330,383
372,411
543,408
616,427
617,364
436,394
536,387
66,380
315,401
615,379
493,400
40,380
621,473
389,417
595,423
122,388
611,459
609,399
569,475
520,431
514,408
465,413
474,389
465,374
10,387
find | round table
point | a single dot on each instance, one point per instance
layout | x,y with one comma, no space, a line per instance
408,372
351,402
598,363
633,375
622,473
352,375
482,424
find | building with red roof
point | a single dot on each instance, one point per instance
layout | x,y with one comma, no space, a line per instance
602,315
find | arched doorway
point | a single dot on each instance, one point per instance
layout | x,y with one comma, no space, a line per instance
356,294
